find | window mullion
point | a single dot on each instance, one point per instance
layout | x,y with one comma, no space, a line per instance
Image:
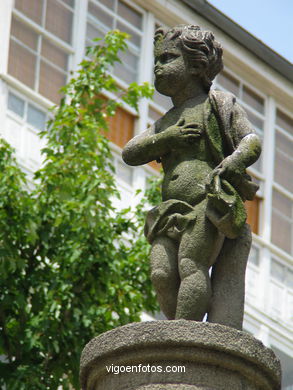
146,66
38,63
5,22
116,7
268,166
44,13
79,33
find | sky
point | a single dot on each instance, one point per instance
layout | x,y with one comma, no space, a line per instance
271,21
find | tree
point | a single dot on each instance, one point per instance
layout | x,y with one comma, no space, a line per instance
71,265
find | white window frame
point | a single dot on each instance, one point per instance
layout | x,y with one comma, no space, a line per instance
42,32
29,164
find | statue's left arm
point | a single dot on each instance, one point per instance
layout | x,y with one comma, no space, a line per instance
246,145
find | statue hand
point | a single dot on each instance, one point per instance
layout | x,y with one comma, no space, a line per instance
182,132
228,168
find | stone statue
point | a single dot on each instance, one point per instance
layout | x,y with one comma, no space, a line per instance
199,236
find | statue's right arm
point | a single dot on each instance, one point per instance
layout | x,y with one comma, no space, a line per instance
145,147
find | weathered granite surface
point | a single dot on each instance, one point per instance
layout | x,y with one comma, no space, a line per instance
205,143
215,357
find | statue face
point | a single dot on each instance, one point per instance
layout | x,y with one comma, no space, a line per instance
171,69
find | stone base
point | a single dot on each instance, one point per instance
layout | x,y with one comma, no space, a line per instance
213,356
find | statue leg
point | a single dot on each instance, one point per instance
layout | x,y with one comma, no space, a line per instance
228,281
198,248
164,274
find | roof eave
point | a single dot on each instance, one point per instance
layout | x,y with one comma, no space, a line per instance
239,34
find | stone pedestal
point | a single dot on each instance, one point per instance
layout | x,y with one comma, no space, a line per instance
178,355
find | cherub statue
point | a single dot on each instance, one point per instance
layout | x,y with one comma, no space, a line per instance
205,144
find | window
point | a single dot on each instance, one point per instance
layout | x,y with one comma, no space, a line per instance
121,127
24,120
124,172
254,107
162,103
252,102
105,15
254,256
40,44
154,115
281,273
283,151
56,16
252,275
284,122
229,83
282,221
34,116
252,208
282,207
281,290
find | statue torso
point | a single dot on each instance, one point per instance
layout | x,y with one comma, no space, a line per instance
186,169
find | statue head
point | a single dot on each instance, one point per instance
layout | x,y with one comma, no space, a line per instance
188,47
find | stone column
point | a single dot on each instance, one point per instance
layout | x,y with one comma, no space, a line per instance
178,355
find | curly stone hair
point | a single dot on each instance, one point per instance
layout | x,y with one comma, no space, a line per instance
200,48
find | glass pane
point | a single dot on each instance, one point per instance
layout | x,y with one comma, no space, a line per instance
284,143
125,73
15,104
69,2
281,232
13,134
129,14
277,271
282,221
36,117
289,279
134,37
53,54
252,99
93,32
254,256
121,127
33,10
101,16
283,173
32,147
124,172
282,204
285,122
24,34
22,64
276,299
59,20
255,120
51,80
229,83
130,60
163,101
108,3
154,115
258,164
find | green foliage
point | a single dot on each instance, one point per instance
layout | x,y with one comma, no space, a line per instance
71,265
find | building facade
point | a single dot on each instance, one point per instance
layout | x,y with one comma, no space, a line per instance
43,40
